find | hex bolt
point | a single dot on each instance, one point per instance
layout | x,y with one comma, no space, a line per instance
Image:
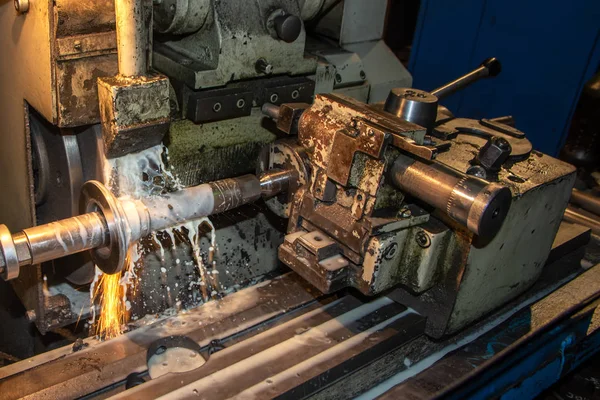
77,45
423,239
22,6
494,153
263,67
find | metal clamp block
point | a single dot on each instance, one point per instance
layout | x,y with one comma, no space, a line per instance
289,114
135,112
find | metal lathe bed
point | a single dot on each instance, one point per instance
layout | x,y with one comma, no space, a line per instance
284,339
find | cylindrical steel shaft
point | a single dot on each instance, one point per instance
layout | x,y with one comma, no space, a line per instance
586,201
54,240
201,201
132,37
479,205
575,216
67,236
276,182
129,220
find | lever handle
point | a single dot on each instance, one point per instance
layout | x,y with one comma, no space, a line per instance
489,67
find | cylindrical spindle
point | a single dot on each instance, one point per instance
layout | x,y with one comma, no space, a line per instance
479,205
132,37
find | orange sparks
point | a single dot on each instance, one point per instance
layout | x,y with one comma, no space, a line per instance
113,314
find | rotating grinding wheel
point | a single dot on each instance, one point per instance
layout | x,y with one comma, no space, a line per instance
96,197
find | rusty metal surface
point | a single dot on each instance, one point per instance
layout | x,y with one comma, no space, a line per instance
349,145
84,48
135,112
77,88
75,17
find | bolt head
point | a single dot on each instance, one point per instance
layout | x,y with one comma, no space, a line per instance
494,153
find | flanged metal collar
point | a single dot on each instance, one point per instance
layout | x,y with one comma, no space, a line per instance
96,197
9,252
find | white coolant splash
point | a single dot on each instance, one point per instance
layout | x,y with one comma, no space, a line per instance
144,175
140,174
207,277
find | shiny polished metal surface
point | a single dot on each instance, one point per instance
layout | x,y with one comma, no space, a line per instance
479,205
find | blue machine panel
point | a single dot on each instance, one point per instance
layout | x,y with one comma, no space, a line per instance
548,50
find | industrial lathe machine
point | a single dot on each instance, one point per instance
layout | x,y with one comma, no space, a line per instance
286,215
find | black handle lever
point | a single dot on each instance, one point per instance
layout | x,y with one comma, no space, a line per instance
489,67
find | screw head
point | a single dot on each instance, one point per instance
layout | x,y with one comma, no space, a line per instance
423,239
363,76
338,78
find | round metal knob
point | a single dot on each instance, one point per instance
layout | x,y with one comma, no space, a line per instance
413,105
21,6
288,27
493,65
284,26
